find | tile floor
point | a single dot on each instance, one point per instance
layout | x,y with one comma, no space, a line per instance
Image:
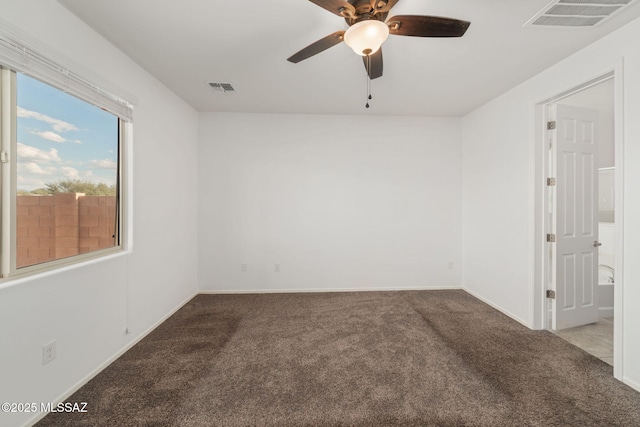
596,338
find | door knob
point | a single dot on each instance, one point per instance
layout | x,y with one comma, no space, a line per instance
596,244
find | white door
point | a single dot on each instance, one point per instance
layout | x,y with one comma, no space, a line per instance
575,253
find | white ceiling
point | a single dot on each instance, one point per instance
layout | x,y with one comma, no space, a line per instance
188,43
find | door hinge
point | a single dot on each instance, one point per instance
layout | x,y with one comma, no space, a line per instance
551,182
551,294
551,125
4,157
551,238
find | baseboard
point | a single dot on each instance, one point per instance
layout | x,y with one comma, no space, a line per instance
320,290
500,309
605,311
631,383
64,396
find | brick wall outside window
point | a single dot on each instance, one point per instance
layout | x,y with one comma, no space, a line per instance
62,225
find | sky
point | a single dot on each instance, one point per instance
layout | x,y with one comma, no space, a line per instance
62,137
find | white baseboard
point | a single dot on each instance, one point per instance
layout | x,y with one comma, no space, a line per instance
605,311
631,383
64,396
320,290
500,309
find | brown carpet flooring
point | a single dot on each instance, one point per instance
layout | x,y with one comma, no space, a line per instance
428,358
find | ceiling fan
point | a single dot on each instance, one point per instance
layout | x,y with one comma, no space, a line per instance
369,28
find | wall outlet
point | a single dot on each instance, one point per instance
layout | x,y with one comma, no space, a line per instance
48,352
450,265
243,268
276,267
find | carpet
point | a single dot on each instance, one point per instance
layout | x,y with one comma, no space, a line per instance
419,358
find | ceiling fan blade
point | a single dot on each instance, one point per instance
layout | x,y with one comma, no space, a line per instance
335,6
317,47
375,69
426,26
383,5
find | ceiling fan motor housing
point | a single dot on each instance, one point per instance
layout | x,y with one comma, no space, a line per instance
364,11
380,16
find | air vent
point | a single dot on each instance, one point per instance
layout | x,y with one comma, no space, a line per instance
222,87
577,13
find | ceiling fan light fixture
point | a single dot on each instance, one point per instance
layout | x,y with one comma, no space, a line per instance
366,37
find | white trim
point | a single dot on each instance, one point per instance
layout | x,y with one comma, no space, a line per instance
580,87
64,396
539,303
7,170
618,290
631,383
320,290
18,280
540,207
126,199
605,311
54,264
500,309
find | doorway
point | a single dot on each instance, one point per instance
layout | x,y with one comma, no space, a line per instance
596,329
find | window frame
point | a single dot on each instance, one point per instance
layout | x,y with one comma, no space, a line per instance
8,187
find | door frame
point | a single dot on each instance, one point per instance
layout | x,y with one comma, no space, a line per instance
542,226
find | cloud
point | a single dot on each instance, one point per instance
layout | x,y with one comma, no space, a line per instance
35,169
27,152
104,164
30,182
70,172
58,125
52,136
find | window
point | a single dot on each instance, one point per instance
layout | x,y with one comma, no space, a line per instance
62,134
61,176
67,175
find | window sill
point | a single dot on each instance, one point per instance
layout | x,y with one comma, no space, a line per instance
53,268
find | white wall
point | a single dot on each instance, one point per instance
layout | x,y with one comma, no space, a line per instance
340,202
86,308
498,186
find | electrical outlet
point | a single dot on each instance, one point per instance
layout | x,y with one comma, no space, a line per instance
276,268
48,352
243,268
450,265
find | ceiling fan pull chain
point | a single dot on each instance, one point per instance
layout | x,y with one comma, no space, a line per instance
368,80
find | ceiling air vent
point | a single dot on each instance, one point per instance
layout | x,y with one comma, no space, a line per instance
222,87
576,13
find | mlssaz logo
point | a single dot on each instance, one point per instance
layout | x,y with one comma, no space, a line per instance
65,407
